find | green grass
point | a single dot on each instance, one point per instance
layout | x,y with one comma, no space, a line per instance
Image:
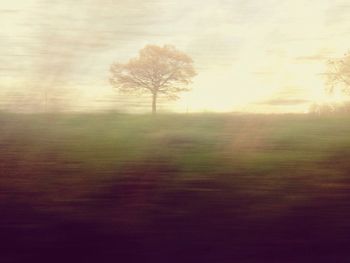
141,172
99,146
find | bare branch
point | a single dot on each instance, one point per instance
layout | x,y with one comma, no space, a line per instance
339,74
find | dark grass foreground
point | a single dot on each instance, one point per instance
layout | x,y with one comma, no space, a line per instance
174,188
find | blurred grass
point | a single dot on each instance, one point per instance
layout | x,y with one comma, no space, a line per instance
97,147
172,171
203,144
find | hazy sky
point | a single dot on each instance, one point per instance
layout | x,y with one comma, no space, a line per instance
251,55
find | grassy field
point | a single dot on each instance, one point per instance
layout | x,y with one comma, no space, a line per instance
174,188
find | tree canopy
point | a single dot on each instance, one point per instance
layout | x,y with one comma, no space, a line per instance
338,74
160,71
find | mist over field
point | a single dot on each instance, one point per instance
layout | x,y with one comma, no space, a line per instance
162,131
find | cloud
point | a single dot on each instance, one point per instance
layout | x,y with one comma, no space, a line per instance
8,11
322,55
337,13
312,58
267,73
283,102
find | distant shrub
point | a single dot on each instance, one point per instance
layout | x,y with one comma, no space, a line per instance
330,108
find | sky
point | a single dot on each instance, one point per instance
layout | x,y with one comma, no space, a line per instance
250,55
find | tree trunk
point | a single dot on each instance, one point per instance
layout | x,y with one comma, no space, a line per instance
154,103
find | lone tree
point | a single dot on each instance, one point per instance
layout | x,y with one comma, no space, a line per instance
160,71
338,74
